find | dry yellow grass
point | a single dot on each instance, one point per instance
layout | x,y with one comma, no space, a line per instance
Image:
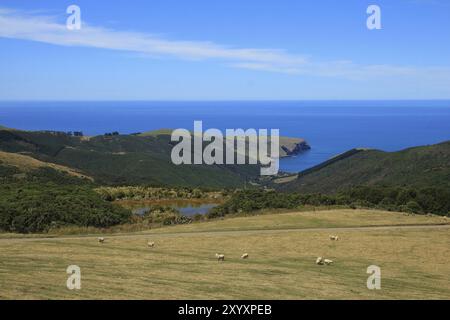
414,262
27,163
337,218
285,179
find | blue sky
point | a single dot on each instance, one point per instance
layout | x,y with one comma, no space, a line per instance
224,50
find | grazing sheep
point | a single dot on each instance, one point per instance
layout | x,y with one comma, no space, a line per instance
220,257
328,261
244,256
322,261
101,239
150,244
334,238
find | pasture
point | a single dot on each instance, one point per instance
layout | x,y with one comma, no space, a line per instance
282,250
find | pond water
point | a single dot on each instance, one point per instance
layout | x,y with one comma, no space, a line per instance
193,210
185,207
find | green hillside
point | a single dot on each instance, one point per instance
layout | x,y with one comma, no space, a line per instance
426,166
122,159
287,146
36,196
154,133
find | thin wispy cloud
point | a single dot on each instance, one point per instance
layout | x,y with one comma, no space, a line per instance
45,29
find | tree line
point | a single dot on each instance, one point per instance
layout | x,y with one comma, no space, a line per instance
403,199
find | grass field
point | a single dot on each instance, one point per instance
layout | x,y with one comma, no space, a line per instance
414,261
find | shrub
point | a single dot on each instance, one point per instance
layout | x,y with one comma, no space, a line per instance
413,207
37,207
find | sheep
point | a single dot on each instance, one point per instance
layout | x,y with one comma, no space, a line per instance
328,261
101,239
220,257
322,261
244,256
150,244
334,238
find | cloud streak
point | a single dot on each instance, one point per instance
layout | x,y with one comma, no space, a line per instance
45,29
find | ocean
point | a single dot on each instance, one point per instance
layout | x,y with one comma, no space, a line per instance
330,127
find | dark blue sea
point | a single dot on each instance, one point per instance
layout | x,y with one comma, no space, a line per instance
330,127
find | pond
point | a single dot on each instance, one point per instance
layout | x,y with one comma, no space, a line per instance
184,207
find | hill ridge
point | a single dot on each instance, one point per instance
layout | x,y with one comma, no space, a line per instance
421,166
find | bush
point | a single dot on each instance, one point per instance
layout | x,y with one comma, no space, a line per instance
36,207
413,207
387,204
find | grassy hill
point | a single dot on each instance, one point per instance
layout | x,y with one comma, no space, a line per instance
26,164
122,159
141,158
288,146
154,133
426,166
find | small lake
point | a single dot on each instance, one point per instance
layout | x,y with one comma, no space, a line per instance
184,207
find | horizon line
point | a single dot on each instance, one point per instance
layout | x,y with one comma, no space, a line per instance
226,100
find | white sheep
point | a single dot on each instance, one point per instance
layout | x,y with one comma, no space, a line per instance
220,257
101,239
150,244
244,256
322,261
334,238
328,261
